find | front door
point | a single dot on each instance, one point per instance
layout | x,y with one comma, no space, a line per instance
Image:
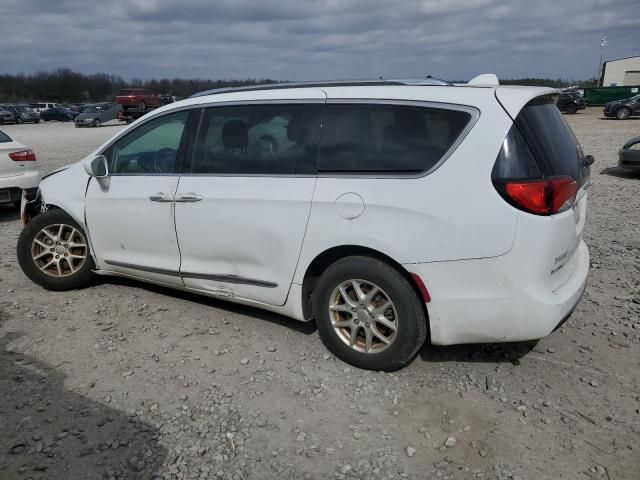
242,208
130,213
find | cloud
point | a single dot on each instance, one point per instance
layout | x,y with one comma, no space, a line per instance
298,39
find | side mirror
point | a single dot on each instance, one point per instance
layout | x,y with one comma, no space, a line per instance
97,167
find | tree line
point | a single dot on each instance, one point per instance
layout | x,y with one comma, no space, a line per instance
65,86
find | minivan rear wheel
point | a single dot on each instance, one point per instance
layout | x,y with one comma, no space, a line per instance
53,251
368,314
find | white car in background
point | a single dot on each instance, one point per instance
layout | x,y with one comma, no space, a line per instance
18,170
388,212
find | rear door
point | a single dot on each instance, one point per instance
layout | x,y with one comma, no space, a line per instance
242,209
549,140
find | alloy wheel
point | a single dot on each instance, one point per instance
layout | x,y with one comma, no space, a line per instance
59,250
363,316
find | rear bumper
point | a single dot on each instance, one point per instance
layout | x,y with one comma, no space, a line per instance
488,300
14,185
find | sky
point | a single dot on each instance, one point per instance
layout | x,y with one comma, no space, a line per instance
317,39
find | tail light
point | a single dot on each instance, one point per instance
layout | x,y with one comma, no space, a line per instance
541,196
23,156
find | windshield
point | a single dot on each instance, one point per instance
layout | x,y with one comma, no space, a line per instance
21,108
91,109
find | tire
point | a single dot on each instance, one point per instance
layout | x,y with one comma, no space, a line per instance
571,108
19,121
96,123
28,248
36,121
623,113
406,313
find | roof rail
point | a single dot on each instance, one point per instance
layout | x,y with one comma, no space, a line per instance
318,84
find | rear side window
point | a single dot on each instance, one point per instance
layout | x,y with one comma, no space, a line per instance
550,139
376,138
4,138
278,139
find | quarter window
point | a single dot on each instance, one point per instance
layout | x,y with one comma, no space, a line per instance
277,139
358,138
149,149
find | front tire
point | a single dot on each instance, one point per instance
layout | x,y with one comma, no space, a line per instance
368,314
571,108
96,123
53,252
623,113
19,121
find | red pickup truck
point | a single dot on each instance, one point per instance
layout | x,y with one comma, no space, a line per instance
137,98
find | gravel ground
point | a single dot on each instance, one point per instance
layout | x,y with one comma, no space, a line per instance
123,380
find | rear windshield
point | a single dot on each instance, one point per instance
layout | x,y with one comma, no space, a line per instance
553,144
126,91
4,138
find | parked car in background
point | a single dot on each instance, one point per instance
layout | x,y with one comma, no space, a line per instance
6,116
18,170
138,98
42,106
570,101
394,212
623,109
60,114
629,155
23,113
95,114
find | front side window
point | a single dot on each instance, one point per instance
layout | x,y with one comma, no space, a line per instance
377,138
258,139
152,148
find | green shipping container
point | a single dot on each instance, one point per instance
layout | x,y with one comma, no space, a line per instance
600,96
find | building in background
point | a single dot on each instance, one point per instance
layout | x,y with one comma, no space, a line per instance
622,72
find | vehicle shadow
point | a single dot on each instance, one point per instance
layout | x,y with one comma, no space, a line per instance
306,328
481,353
51,432
615,119
620,172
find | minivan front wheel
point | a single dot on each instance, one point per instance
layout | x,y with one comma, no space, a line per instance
53,252
368,314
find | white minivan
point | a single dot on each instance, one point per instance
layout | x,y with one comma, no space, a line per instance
388,212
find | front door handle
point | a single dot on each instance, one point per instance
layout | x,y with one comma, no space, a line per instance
162,197
188,197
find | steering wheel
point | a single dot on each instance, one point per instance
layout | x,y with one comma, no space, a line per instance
164,160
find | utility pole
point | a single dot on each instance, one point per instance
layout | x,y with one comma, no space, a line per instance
603,44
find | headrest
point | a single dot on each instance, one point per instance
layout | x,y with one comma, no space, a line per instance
235,134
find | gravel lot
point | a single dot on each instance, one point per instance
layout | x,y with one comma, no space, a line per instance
124,380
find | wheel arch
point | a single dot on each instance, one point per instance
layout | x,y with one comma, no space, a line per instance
323,260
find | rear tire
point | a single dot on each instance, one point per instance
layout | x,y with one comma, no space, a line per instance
96,123
623,113
395,312
19,121
53,252
571,108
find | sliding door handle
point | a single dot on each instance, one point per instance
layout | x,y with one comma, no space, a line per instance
162,197
188,197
